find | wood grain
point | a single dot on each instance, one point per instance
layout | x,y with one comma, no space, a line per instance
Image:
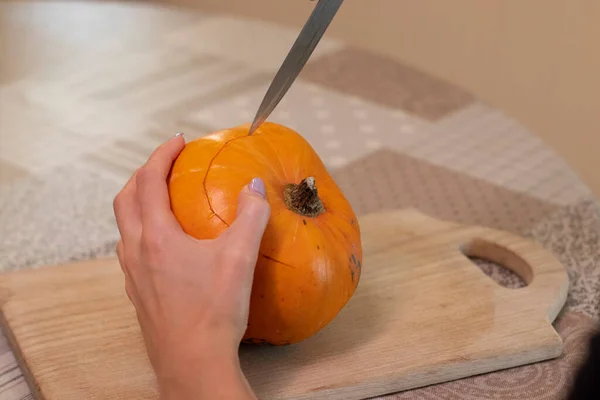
423,314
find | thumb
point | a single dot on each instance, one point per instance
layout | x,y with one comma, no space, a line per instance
251,220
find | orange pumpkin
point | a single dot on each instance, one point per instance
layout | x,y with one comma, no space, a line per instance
311,254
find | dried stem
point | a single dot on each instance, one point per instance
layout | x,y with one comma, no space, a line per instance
303,198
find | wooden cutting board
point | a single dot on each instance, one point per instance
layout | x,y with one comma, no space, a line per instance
423,314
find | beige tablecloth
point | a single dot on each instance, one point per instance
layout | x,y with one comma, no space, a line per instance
393,137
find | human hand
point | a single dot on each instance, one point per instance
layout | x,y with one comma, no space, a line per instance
191,296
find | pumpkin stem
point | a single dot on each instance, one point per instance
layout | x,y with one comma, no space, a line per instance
303,198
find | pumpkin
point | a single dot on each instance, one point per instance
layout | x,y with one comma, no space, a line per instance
310,256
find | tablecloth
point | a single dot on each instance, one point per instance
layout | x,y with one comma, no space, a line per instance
393,136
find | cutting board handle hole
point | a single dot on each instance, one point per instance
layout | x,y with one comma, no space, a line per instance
500,264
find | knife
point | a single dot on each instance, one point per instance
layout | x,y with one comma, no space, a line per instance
307,40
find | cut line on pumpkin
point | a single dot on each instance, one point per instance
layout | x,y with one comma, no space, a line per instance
275,260
208,199
212,160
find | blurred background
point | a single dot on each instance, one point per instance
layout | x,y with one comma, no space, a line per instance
536,60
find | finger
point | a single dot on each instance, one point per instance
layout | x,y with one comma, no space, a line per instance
246,232
152,192
127,211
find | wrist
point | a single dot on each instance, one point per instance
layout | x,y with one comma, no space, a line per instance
211,373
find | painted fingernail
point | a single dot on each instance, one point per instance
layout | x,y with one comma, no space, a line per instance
257,185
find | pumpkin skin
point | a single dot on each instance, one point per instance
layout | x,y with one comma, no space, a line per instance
308,265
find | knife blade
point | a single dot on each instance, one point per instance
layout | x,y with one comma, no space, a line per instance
301,50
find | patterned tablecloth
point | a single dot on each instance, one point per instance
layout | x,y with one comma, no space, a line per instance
392,135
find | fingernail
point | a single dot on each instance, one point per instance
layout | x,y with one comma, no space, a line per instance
178,134
257,185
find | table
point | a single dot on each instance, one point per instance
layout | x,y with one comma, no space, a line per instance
82,108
